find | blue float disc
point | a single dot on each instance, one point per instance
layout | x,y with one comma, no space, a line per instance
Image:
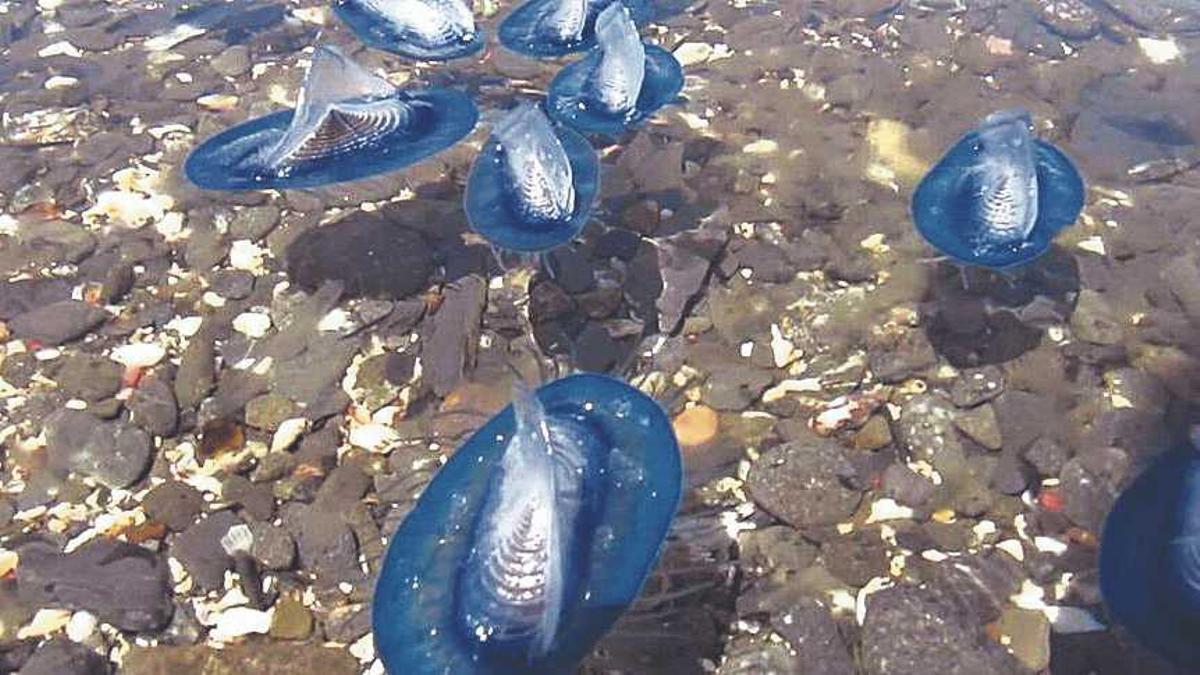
518,31
376,32
568,103
489,212
940,206
1134,578
416,628
221,162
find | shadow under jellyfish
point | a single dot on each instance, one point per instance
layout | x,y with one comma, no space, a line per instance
1150,557
619,84
534,537
430,30
999,196
348,124
549,28
533,185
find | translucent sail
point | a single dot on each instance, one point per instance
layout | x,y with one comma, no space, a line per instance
431,22
515,578
536,167
1005,186
342,107
617,80
564,20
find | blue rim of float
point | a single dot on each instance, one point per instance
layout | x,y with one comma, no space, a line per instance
568,103
1132,550
487,205
1060,199
454,116
413,614
371,30
516,30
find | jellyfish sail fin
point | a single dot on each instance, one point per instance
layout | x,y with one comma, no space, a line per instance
563,20
617,80
538,175
341,107
432,23
1183,549
1004,181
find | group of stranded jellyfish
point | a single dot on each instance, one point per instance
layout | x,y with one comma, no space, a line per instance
540,530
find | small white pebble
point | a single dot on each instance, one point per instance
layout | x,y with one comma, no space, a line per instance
363,648
239,621
1013,548
62,48
139,354
247,256
81,626
288,432
252,324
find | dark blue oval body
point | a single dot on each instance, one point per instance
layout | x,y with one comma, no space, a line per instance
568,101
378,33
1150,558
631,480
490,211
224,161
520,31
942,202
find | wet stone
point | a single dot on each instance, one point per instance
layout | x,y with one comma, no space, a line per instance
979,424
367,253
122,584
874,435
926,433
231,284
777,547
451,336
292,620
813,634
197,370
173,504
273,546
257,500
906,486
58,322
734,387
153,406
254,222
63,657
1029,635
260,658
855,558
200,552
88,377
906,632
596,350
18,297
902,356
231,62
327,545
1047,456
976,386
805,483
1094,320
1090,483
268,411
113,453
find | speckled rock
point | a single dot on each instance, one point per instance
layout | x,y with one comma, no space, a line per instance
60,656
805,483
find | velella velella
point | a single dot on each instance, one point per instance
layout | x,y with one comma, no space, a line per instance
533,184
348,124
548,28
534,537
620,83
999,196
1150,557
430,30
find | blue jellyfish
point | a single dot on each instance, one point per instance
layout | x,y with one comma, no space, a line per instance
548,28
534,537
999,196
619,84
429,30
533,185
348,124
1150,557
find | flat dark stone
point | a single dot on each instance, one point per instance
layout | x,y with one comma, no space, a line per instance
58,322
199,550
122,584
805,483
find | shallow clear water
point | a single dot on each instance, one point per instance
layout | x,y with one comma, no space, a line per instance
864,424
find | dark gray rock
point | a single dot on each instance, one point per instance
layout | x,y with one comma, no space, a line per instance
906,486
1090,483
122,584
18,297
197,370
254,222
812,633
63,657
805,483
451,336
901,356
926,432
153,406
914,630
343,489
199,550
368,253
89,377
326,544
113,453
978,586
232,284
257,500
684,261
976,386
58,322
273,546
1047,456
173,504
